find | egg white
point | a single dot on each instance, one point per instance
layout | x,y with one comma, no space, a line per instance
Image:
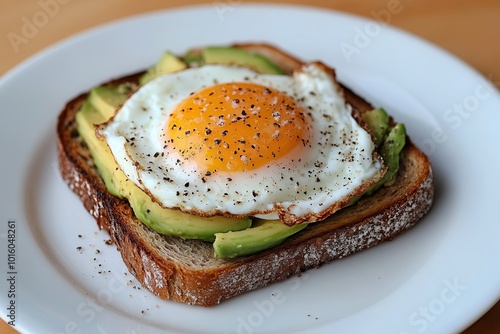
339,163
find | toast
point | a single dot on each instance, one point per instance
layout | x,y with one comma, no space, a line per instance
187,271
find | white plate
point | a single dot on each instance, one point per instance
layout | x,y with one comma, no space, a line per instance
439,277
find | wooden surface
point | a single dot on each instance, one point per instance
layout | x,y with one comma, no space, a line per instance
467,28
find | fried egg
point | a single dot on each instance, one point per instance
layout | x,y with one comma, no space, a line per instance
225,140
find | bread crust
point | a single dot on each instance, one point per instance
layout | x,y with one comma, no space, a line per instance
186,270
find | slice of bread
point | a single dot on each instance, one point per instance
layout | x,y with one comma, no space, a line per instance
187,271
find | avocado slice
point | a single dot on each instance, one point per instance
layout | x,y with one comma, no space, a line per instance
229,55
390,151
378,122
174,222
262,235
390,141
86,119
166,221
106,99
194,57
168,63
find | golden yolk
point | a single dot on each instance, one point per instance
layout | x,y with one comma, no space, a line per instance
236,127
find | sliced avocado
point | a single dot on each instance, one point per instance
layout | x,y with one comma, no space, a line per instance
174,222
390,141
162,220
378,122
228,55
194,58
262,235
86,118
168,63
390,151
107,99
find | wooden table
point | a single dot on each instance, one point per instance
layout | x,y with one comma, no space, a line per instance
467,28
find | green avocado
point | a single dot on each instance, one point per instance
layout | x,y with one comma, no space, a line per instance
87,117
174,222
166,221
378,122
228,56
194,58
390,150
106,99
262,235
168,63
390,142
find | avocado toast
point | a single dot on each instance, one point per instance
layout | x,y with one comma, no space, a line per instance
173,257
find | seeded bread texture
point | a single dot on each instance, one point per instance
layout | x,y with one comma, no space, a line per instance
187,271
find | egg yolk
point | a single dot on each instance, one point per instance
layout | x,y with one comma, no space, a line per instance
236,127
